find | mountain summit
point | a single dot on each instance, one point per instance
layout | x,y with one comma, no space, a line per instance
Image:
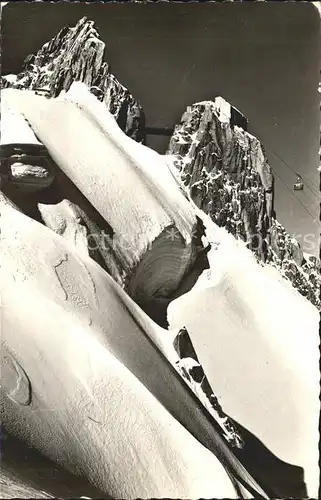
77,54
149,341
226,172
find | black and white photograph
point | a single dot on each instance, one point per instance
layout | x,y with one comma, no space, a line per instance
160,250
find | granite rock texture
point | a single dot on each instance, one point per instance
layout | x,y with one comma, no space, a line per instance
226,172
77,54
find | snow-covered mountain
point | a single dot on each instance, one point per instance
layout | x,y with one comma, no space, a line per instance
227,174
240,318
89,375
77,54
147,347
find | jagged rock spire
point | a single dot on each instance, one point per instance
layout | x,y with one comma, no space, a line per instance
227,174
77,54
226,170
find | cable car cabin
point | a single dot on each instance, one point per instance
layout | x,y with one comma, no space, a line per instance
298,186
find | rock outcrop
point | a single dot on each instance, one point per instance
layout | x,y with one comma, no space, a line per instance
25,163
227,174
192,371
286,255
77,54
226,171
252,331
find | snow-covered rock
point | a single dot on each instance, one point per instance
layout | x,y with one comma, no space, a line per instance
65,219
257,340
225,402
104,399
192,371
286,255
225,170
155,232
227,174
77,54
25,164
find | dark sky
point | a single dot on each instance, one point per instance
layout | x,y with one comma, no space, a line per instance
262,57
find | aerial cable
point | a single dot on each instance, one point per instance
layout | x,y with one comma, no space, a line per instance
298,174
303,206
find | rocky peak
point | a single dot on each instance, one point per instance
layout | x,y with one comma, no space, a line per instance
227,174
226,170
77,54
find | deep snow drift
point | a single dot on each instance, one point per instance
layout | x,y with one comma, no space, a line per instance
85,381
227,173
89,380
257,339
14,128
154,225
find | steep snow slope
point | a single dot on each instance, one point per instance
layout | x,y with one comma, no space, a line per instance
25,471
227,174
14,128
155,230
85,373
257,340
83,380
12,487
129,184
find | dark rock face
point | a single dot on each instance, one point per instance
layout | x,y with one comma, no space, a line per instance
227,174
192,371
286,255
226,171
77,54
26,167
24,161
